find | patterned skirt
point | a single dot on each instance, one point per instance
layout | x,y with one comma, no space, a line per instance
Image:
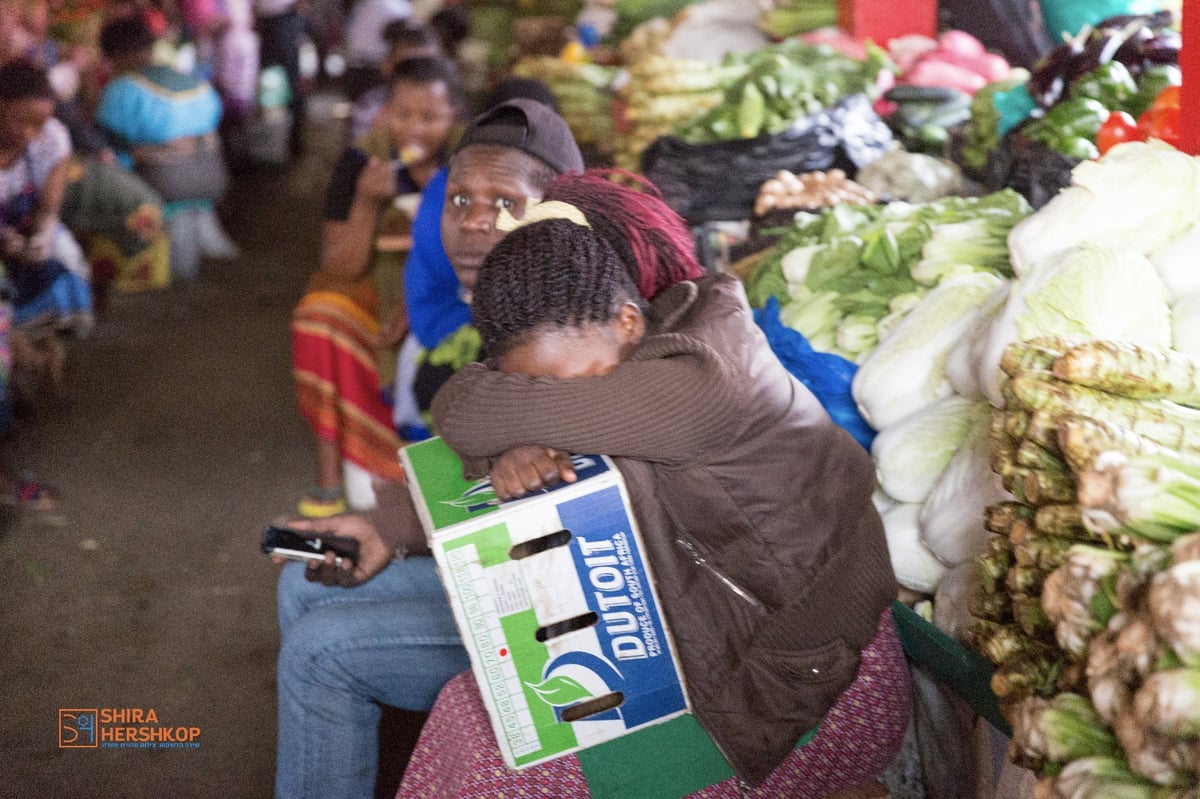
457,757
337,382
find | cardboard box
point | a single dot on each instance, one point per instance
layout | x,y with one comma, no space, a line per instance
555,603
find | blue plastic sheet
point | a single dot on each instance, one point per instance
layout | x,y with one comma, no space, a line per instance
826,375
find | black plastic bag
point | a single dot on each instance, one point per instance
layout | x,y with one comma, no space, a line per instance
720,181
1029,167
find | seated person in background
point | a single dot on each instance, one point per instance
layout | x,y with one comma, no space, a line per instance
163,125
452,24
364,43
392,639
406,39
755,508
47,275
117,218
336,330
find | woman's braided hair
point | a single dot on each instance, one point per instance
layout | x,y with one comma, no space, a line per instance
629,211
548,274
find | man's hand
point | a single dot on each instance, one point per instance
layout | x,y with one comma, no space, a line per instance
373,552
528,468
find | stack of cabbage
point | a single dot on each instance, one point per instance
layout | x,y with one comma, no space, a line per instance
1085,595
1039,454
583,91
1101,261
895,288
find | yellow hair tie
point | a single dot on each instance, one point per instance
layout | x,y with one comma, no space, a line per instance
536,211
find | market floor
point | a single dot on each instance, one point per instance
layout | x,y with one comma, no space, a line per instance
179,438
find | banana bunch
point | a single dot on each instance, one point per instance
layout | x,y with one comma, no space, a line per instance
583,91
663,94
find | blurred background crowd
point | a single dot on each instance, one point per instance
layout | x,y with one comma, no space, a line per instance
121,125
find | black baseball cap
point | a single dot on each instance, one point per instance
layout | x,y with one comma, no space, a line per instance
528,126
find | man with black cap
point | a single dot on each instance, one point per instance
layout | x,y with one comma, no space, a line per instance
392,639
509,154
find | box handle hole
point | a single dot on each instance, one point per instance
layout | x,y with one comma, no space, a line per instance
565,626
559,538
593,706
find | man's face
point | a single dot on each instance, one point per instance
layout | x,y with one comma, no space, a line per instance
483,178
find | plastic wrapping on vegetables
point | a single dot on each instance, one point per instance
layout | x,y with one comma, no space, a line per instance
720,181
826,375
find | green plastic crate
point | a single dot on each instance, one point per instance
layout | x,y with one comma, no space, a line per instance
967,673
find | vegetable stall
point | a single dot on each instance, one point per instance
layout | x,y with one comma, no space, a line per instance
987,274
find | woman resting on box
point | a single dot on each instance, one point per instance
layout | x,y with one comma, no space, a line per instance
755,508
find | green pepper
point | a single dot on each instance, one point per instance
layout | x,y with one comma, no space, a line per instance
1110,84
1152,81
1078,116
752,111
932,138
1076,147
723,126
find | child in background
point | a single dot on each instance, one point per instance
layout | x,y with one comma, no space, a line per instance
337,333
47,275
407,39
163,125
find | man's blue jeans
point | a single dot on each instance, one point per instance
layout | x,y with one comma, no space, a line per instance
391,640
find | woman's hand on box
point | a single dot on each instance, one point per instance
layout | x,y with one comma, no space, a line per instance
529,468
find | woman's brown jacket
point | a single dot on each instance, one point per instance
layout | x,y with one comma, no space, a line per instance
755,508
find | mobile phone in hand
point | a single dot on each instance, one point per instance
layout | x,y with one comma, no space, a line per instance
284,542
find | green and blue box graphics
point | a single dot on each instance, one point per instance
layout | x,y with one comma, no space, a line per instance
555,603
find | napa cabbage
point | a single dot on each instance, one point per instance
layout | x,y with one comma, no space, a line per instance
915,567
907,371
1098,290
911,454
1140,193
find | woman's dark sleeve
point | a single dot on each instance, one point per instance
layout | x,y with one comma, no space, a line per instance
666,409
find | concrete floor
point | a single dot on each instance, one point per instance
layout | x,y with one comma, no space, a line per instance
179,439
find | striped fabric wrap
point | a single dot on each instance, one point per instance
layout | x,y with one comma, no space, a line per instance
337,381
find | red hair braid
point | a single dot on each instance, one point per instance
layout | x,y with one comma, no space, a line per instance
650,237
